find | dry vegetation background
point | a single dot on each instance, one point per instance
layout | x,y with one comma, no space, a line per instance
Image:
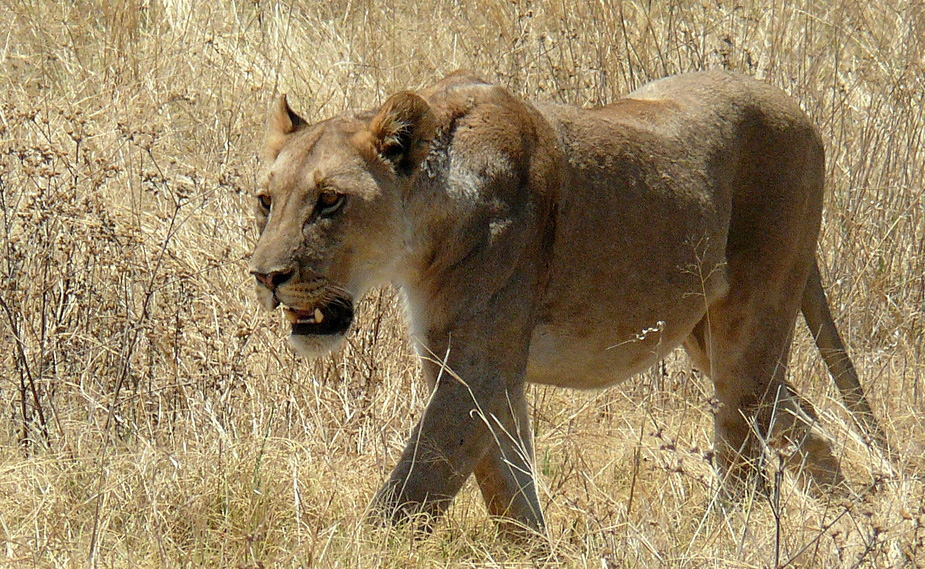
151,416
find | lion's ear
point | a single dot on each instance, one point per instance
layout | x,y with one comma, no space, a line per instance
402,131
282,122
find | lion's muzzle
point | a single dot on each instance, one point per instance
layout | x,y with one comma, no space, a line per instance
318,312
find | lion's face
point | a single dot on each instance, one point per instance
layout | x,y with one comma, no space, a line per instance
331,218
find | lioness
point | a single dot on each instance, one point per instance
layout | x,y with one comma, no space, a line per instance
565,246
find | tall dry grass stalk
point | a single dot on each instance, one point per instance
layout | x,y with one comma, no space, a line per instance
151,417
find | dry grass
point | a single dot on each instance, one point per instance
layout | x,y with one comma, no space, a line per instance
152,417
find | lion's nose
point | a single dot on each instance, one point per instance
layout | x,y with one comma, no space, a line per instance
273,279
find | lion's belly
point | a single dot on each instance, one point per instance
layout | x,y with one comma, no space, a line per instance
592,357
565,361
601,325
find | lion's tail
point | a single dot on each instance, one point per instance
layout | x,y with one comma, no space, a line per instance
815,309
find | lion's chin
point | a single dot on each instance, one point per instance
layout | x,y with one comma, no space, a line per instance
314,346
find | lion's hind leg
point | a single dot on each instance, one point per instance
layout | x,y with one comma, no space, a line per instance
745,352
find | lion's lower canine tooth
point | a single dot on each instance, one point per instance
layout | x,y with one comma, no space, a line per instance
318,316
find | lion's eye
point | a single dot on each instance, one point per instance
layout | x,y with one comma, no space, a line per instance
329,201
265,202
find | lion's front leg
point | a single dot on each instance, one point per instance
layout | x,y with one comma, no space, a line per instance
505,474
466,428
441,453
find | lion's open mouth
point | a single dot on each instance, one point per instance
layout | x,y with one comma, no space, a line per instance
322,320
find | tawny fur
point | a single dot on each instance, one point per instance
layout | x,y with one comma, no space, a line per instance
573,247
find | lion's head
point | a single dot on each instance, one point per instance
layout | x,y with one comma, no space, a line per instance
330,212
